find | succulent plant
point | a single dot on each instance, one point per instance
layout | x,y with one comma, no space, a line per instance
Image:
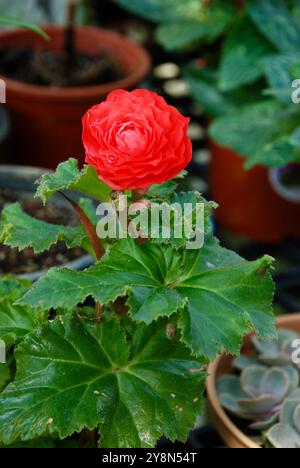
258,393
286,434
271,353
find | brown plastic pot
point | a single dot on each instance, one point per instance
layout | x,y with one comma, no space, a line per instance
230,433
46,122
248,205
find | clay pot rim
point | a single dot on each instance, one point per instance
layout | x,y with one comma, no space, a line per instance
115,40
218,411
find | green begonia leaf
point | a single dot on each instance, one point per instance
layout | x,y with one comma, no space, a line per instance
74,375
16,321
5,375
18,229
212,289
69,177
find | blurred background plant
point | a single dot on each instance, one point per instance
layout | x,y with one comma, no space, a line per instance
256,53
239,59
10,21
254,65
45,11
36,11
184,25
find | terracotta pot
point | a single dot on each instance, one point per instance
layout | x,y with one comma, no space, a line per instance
46,122
230,433
248,205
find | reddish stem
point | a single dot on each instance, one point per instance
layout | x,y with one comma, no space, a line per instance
89,228
95,241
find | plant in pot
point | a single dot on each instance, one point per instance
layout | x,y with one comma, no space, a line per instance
259,391
4,119
249,95
19,207
129,363
17,184
50,85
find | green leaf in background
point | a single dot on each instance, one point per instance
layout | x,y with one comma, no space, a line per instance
204,90
275,21
295,138
252,130
295,69
167,10
277,153
296,11
206,28
21,24
241,62
279,73
204,86
181,24
212,289
72,376
69,177
18,229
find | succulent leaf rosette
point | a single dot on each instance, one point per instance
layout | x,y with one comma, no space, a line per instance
258,393
270,352
266,391
128,363
286,434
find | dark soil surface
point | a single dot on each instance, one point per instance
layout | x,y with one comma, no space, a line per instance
14,262
47,68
